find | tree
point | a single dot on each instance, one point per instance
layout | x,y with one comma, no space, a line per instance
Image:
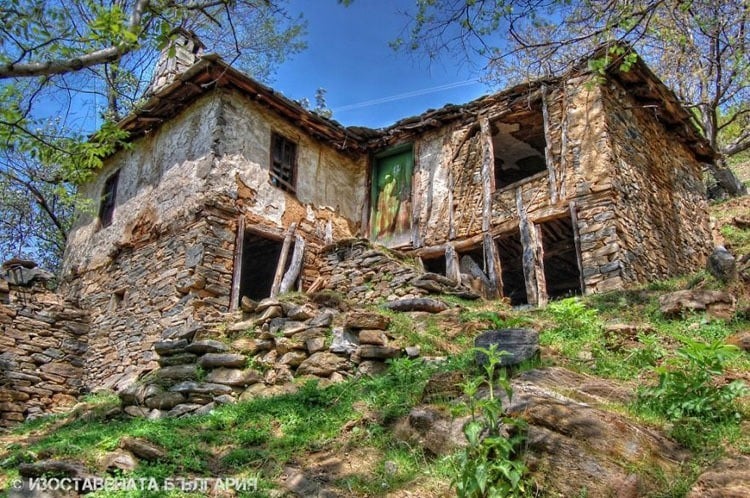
70,68
700,48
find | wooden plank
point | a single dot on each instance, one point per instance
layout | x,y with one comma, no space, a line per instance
416,195
577,242
529,251
548,147
282,260
316,285
452,268
234,299
488,166
492,261
541,278
295,267
451,216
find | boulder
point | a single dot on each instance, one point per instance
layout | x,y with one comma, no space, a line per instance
366,320
372,336
143,449
322,364
722,265
717,304
234,377
222,360
728,478
519,344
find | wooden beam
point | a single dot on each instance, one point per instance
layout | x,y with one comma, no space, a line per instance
541,278
239,239
282,260
295,267
577,242
493,266
548,147
488,166
529,251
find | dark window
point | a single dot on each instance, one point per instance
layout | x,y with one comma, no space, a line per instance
560,258
510,252
260,257
519,145
109,195
283,163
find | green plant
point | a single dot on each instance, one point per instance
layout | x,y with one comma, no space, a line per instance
688,387
490,466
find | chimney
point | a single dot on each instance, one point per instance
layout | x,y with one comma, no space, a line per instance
183,50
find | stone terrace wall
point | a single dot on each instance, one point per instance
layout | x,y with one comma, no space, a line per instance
662,212
43,344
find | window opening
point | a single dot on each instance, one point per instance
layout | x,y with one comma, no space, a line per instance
260,257
283,170
519,146
107,204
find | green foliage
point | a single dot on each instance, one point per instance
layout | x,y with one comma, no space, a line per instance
491,466
687,384
576,327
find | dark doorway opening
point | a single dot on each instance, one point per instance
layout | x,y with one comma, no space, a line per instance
560,258
434,265
260,257
510,252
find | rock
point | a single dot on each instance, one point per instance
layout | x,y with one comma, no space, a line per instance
301,313
207,346
205,409
143,449
225,399
372,352
169,348
234,377
433,429
717,304
443,386
573,446
370,336
315,344
741,340
266,303
413,352
120,460
366,320
292,327
73,470
722,265
728,478
178,359
344,342
206,388
417,304
136,411
248,305
251,346
285,345
322,364
293,358
165,400
269,314
296,483
242,326
520,344
176,372
222,360
324,319
372,368
184,409
26,276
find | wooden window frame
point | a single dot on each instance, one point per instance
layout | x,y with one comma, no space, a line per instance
286,163
108,199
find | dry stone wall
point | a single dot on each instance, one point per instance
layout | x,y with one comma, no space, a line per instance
43,340
662,212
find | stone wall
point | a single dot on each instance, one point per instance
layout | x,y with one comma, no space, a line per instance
661,208
43,340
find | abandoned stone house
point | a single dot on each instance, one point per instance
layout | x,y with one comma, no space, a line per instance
229,189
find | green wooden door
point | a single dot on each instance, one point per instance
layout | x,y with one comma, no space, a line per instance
390,214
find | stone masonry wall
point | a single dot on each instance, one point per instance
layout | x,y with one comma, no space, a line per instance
662,212
43,344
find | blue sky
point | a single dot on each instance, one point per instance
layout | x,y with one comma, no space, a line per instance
349,56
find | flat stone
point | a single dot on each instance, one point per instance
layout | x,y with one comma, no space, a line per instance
142,448
426,304
207,346
178,359
372,368
201,388
366,320
234,376
322,364
301,313
519,344
315,344
727,478
165,400
716,303
248,305
324,319
266,303
219,360
344,342
169,348
177,372
372,352
372,336
242,326
121,460
293,358
181,410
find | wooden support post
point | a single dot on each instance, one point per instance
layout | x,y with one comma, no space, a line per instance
234,299
488,166
528,258
282,260
452,268
548,147
295,267
493,266
541,279
451,216
577,242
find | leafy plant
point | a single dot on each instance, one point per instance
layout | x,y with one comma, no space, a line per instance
490,465
688,389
